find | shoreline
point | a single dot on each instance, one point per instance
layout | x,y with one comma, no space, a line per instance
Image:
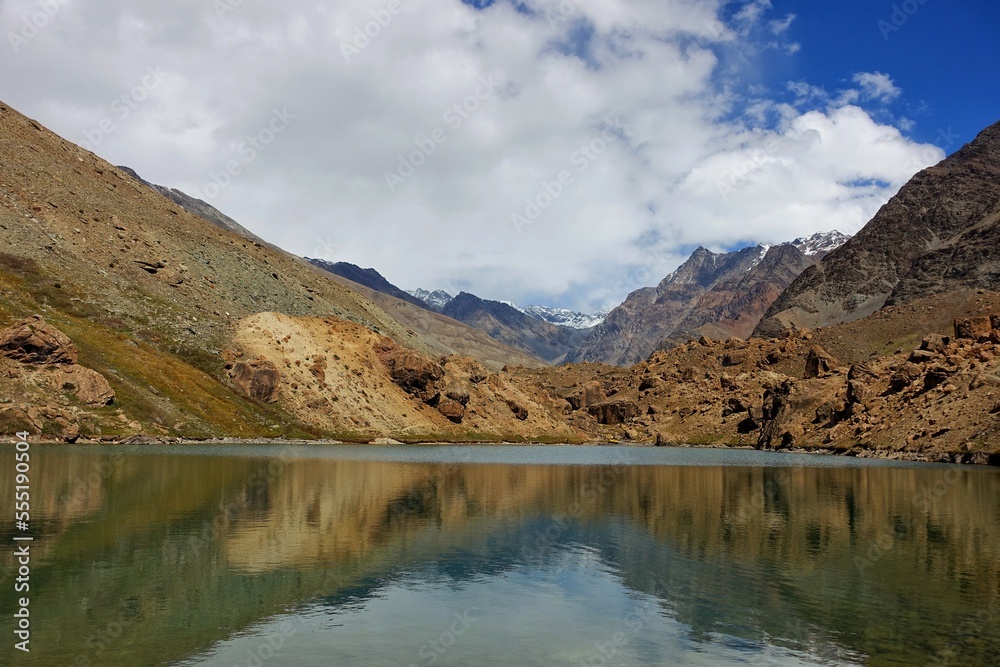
955,458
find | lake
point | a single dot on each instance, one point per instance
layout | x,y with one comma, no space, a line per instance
455,556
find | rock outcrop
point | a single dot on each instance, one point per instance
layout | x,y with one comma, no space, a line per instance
257,378
89,386
32,341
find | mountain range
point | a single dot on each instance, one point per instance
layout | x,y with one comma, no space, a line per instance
718,295
133,312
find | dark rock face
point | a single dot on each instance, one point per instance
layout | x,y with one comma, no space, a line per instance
32,341
520,412
413,372
614,412
819,362
257,378
939,233
591,393
549,342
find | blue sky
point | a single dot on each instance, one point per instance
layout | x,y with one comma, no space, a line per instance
944,56
562,152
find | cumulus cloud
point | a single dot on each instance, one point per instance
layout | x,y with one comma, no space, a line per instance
543,151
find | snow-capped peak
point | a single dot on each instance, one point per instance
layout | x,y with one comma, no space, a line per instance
437,299
821,242
565,317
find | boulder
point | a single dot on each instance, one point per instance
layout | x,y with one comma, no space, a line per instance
50,419
788,405
413,372
934,343
457,392
819,362
858,392
88,385
995,322
974,328
318,369
734,406
649,382
451,409
32,341
587,395
921,356
614,412
904,376
520,412
735,357
257,378
662,441
937,376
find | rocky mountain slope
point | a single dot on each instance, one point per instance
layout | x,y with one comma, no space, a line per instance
939,233
713,294
503,322
151,296
197,207
368,277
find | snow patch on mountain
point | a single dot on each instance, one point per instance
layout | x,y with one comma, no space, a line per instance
437,299
821,242
565,317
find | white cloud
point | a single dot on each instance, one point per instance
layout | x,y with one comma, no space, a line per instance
877,86
639,189
780,26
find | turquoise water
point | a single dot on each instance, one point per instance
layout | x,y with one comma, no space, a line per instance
593,556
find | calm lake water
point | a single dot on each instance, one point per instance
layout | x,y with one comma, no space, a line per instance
457,556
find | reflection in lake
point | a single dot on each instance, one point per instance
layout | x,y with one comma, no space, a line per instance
307,556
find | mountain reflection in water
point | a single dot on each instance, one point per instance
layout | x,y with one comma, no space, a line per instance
231,557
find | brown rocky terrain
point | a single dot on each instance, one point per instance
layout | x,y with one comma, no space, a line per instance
938,234
344,378
873,387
